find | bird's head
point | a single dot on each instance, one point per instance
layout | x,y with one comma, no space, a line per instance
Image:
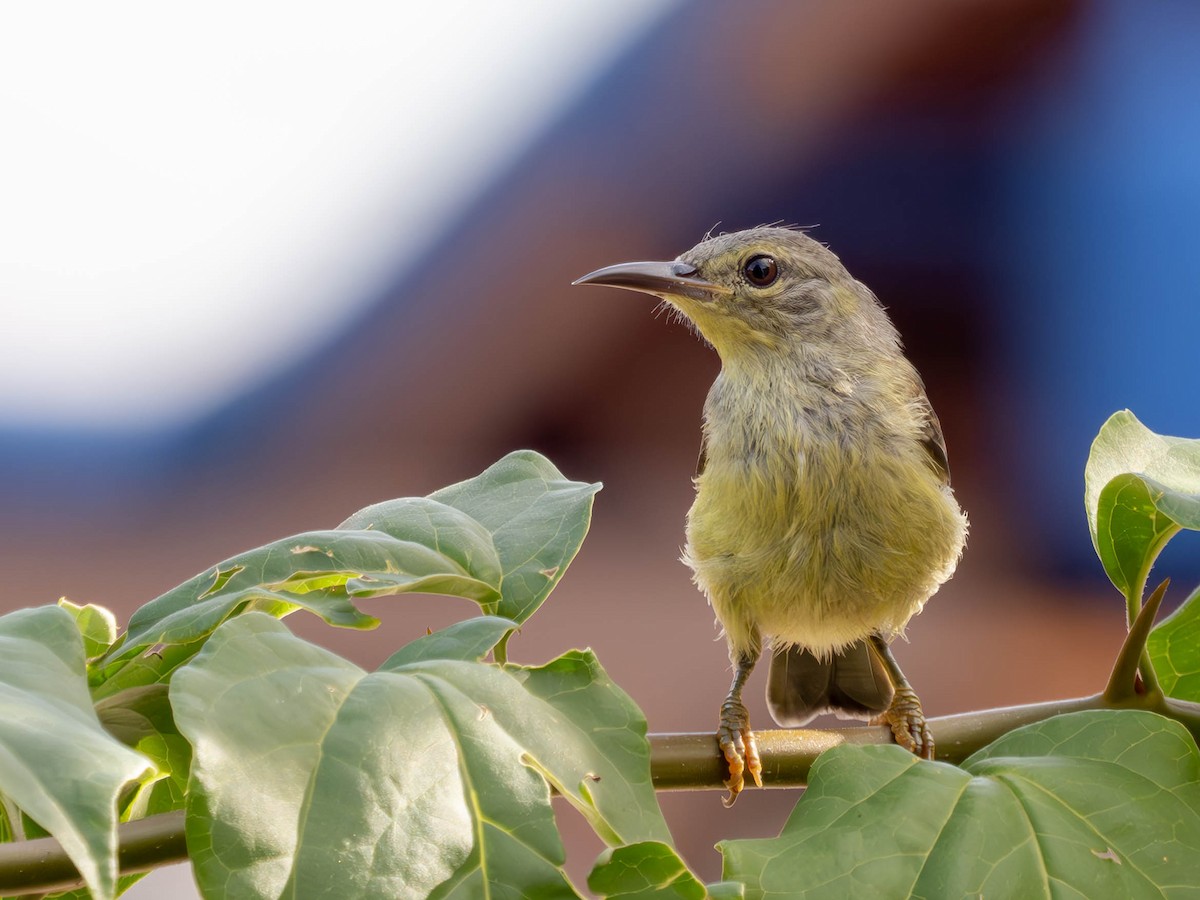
760,291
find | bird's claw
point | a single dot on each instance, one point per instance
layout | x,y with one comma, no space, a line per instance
737,743
907,721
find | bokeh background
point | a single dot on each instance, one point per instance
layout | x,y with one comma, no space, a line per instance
261,268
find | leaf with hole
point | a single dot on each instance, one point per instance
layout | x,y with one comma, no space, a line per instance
502,539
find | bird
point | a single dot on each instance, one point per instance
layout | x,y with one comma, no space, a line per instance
823,517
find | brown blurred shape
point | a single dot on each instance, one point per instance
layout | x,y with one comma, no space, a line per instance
483,347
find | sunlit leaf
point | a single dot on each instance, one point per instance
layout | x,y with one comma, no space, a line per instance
97,626
1140,489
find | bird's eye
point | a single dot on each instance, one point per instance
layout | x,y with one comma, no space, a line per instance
761,270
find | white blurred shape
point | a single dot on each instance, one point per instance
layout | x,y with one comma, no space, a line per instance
168,883
193,195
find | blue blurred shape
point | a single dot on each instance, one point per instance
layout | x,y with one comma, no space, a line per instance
1097,250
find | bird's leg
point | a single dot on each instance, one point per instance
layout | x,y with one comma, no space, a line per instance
904,715
734,734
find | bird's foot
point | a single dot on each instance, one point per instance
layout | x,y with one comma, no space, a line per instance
907,721
738,745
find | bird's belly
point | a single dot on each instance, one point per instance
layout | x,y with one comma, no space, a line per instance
821,562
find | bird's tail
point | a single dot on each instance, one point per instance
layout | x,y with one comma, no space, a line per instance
851,683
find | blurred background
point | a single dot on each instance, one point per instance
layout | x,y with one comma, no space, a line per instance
261,267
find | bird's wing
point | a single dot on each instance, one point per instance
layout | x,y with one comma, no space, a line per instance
932,438
702,460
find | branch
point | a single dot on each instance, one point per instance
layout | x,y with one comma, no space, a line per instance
693,761
677,762
42,866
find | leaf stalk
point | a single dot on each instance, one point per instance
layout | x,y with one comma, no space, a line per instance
1133,657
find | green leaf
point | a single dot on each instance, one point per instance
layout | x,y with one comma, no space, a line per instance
584,734
153,665
1140,488
419,779
537,520
502,539
135,714
652,870
313,571
470,641
97,625
1174,647
1090,804
56,761
140,717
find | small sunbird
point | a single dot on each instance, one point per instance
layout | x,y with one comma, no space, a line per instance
824,518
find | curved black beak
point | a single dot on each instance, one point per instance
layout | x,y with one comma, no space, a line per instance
663,279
